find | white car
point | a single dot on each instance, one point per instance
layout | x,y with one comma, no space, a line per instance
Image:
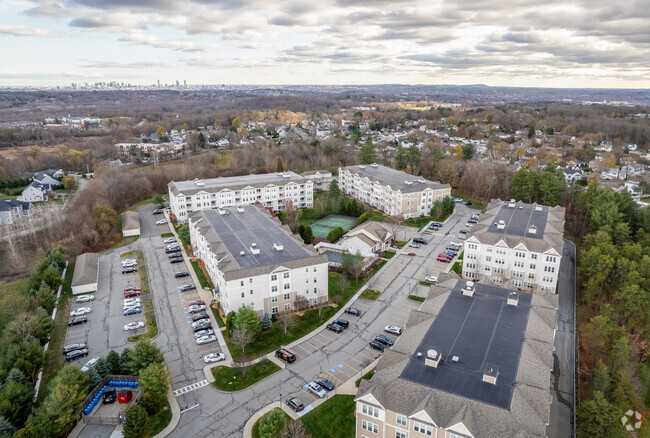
131,302
469,225
316,389
214,357
393,330
462,236
206,332
89,364
133,307
196,308
133,325
126,262
80,311
85,298
206,339
431,279
169,240
414,245
161,222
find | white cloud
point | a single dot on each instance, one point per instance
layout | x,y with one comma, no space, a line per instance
6,29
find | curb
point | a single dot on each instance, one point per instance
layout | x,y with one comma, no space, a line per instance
176,415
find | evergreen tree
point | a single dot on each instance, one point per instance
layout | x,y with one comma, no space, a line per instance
601,379
135,425
125,361
279,166
113,360
6,428
597,418
367,153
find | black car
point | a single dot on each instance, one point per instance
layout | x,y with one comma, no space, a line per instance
76,354
420,240
172,250
204,325
129,270
353,311
187,287
176,260
342,322
77,320
436,224
72,347
468,203
295,404
285,355
376,346
334,327
200,316
181,274
326,384
383,339
157,211
109,396
175,255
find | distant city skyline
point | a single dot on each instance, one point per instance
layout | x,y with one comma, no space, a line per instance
557,44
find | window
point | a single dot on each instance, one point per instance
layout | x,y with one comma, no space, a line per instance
488,258
489,249
252,303
551,259
251,291
370,410
241,283
549,269
520,254
399,434
516,283
287,286
250,280
274,277
401,420
533,256
370,427
315,290
314,301
518,264
274,309
287,306
274,299
306,280
422,428
532,266
315,280
472,246
497,280
314,268
306,269
517,274
285,275
501,251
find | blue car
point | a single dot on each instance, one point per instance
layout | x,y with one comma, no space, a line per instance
133,311
450,253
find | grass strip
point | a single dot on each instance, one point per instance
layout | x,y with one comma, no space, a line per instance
233,379
416,298
370,294
333,419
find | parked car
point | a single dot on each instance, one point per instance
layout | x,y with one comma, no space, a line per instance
181,274
384,340
414,245
295,404
77,320
434,227
161,222
472,221
80,311
326,384
176,260
462,236
72,347
353,311
135,289
129,263
468,203
168,240
129,270
451,254
132,311
131,293
376,346
443,258
197,303
196,308
464,231
133,325
76,354
157,211
420,240
316,389
412,254
334,327
214,357
342,322
84,298
206,339
200,316
437,224
431,279
172,250
393,330
109,396
285,355
187,287
469,224
456,244
205,332
201,325
130,302
175,255
89,364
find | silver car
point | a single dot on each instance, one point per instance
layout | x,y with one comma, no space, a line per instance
85,298
206,339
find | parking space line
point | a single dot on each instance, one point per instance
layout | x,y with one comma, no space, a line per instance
341,371
316,339
308,393
327,337
357,302
308,352
361,362
401,312
202,352
350,366
301,356
367,357
312,345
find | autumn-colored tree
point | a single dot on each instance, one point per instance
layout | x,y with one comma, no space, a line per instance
161,131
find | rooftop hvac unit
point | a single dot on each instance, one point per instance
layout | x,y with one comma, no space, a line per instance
422,180
513,299
501,224
468,290
254,249
532,229
408,183
362,166
490,374
286,175
278,247
512,203
242,253
538,207
240,209
221,211
375,165
199,183
433,358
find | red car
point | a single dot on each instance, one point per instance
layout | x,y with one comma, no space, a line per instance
443,258
196,303
131,293
129,289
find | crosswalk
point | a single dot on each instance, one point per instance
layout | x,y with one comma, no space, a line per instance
189,388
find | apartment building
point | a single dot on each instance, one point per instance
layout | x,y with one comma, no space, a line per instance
274,190
516,245
255,261
392,191
475,361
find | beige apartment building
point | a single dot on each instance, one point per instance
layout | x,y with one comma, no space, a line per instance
475,361
392,191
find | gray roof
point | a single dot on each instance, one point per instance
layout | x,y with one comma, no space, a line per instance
10,204
130,221
233,232
548,222
396,179
85,269
211,185
528,410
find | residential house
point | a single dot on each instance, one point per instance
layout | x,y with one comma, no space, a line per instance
49,177
320,178
572,174
36,192
369,237
13,210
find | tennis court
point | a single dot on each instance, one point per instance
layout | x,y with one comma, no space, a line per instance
322,227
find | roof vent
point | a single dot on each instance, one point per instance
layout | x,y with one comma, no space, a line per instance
240,209
433,358
512,203
538,207
501,224
254,249
375,165
513,299
221,211
361,166
286,175
278,247
455,359
490,374
422,180
521,206
199,183
242,253
408,183
468,290
532,229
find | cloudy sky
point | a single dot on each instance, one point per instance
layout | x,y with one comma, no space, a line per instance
550,43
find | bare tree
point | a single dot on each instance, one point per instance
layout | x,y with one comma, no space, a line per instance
242,336
295,429
395,223
300,303
342,283
321,312
286,320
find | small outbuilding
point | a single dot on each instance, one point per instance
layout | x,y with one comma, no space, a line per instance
86,272
130,224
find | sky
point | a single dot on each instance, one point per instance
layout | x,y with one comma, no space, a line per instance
559,44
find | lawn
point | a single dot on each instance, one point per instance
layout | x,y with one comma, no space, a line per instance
366,376
389,254
462,254
164,235
478,205
457,268
12,301
123,242
232,379
256,426
416,298
376,215
370,294
399,243
7,197
335,418
201,275
422,221
159,421
218,317
377,268
145,202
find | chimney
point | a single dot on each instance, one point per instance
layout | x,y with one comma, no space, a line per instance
513,299
468,290
433,358
254,249
490,374
538,207
501,225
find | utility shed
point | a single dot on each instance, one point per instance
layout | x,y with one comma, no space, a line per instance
130,224
85,275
